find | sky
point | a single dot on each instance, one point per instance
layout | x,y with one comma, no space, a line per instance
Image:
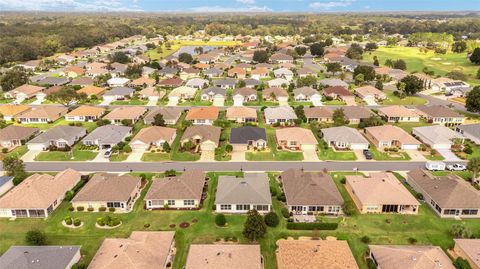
240,5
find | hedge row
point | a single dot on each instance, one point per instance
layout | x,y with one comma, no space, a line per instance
312,226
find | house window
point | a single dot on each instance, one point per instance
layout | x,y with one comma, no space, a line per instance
333,209
189,202
449,211
469,212
149,203
261,207
171,202
225,207
114,204
157,202
243,207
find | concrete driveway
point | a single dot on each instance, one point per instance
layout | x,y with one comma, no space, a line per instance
238,154
317,103
448,155
152,102
360,156
105,102
172,102
30,155
218,102
415,155
135,156
310,154
100,157
207,156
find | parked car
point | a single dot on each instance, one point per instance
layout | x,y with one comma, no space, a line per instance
367,154
435,166
107,153
456,167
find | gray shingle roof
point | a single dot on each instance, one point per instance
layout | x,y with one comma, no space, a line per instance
343,134
252,189
168,113
107,187
38,257
119,91
244,134
189,185
59,132
109,134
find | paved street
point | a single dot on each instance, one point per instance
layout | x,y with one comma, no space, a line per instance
224,166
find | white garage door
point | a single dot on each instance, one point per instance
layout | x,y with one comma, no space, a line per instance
358,146
409,146
35,147
442,146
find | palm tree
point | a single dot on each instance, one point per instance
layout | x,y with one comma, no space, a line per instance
474,166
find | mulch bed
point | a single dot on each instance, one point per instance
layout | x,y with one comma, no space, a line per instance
172,226
184,225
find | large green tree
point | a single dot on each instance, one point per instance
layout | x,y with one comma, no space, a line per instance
474,166
367,71
14,166
67,96
316,49
339,117
459,46
355,52
472,102
254,227
260,56
475,56
412,84
334,67
13,78
185,58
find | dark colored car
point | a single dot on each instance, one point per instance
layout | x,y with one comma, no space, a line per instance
367,154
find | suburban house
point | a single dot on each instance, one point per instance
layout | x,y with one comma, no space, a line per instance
85,113
24,92
177,192
129,113
284,115
311,193
398,114
259,73
153,136
14,136
380,192
20,257
387,136
449,196
6,183
72,71
226,83
247,137
278,83
171,82
437,136
320,114
370,94
241,114
237,72
295,138
38,195
214,94
42,114
202,115
251,83
143,82
232,256
107,136
60,136
107,191
182,93
409,257
344,138
152,94
470,131
340,93
468,250
170,114
450,87
279,58
207,137
213,72
438,114
275,94
244,95
283,73
142,249
52,81
10,112
239,195
197,83
118,93
333,82
314,254
307,94
92,91
355,114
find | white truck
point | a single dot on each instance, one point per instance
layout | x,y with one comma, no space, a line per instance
435,166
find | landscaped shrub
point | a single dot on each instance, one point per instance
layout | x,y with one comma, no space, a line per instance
365,239
371,264
468,150
146,225
100,222
80,208
349,208
69,195
273,191
90,209
68,220
77,222
111,209
461,263
285,212
36,238
312,226
4,150
271,219
281,197
220,220
412,240
71,208
102,209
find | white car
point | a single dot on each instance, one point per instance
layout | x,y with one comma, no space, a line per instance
456,167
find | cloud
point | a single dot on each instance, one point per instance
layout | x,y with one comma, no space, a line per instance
331,4
69,5
250,2
218,9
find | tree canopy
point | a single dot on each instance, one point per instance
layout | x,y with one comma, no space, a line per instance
13,78
412,84
254,227
472,102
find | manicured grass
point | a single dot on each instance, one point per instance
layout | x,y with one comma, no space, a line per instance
90,126
155,157
274,156
17,152
436,157
60,156
467,175
385,156
408,126
154,55
416,60
409,100
426,227
133,102
118,157
334,103
330,154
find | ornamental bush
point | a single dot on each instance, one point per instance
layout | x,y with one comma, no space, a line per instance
220,220
271,219
77,222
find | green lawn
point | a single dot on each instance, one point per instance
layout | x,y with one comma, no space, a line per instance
59,156
133,102
17,152
274,156
416,60
90,126
384,156
408,126
409,100
154,55
334,103
155,157
118,157
332,155
426,227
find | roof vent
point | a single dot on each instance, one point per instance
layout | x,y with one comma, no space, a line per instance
115,256
414,258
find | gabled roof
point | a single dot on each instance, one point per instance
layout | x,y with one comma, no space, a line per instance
108,134
92,90
343,134
236,112
301,135
218,256
64,132
205,132
49,112
318,112
280,112
128,112
471,129
168,113
39,257
13,110
278,92
390,133
188,185
40,190
242,135
16,132
410,257
356,112
312,188
86,111
338,90
107,187
146,250
471,247
119,91
253,188
397,111
438,134
245,91
152,134
448,191
306,91
438,111
212,91
202,113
